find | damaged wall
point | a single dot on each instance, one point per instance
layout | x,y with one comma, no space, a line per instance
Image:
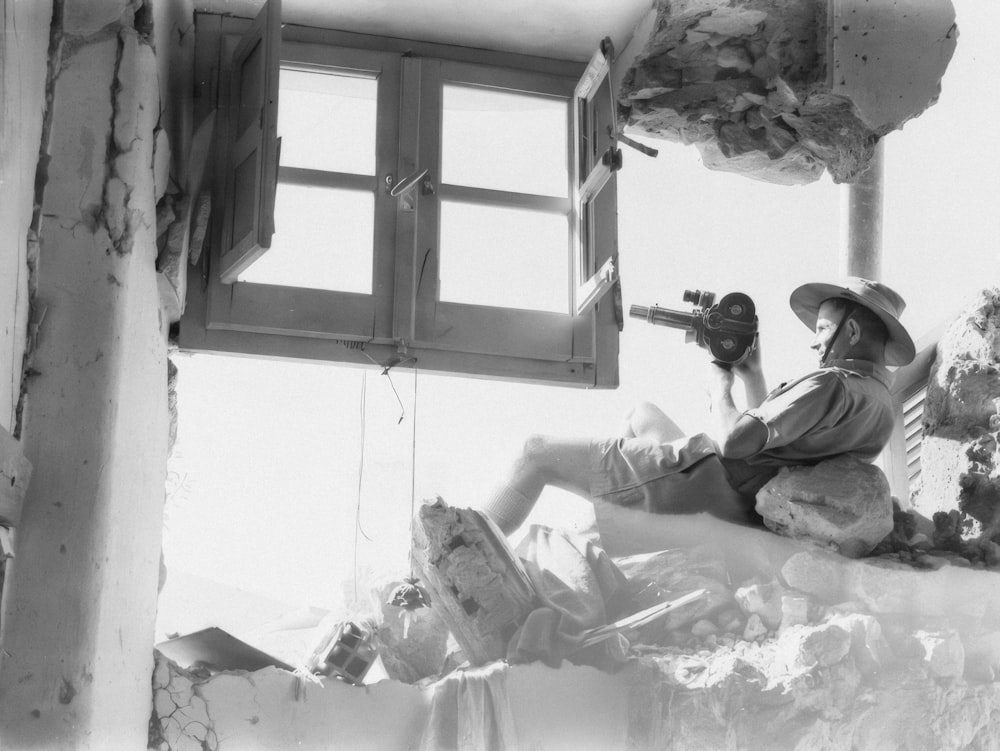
23,68
960,447
794,647
80,596
784,91
569,709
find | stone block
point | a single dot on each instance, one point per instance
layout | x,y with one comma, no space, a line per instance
763,600
794,611
842,502
805,647
869,647
755,629
818,573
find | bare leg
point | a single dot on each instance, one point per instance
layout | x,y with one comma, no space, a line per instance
648,421
563,463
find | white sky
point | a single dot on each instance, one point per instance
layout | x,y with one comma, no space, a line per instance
268,466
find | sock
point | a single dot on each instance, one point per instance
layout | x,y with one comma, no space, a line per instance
508,507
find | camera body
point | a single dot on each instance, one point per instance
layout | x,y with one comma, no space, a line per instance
727,329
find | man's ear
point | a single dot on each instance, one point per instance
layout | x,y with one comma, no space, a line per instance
853,331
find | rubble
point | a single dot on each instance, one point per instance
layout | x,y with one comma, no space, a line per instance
783,91
843,502
794,646
960,459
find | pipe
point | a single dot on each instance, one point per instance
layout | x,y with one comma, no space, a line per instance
861,211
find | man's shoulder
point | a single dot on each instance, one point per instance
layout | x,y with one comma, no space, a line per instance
848,369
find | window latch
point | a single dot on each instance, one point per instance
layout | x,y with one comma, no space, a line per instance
407,184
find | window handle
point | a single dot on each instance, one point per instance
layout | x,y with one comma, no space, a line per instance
404,186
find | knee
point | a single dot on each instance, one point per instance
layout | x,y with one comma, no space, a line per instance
646,409
534,448
536,457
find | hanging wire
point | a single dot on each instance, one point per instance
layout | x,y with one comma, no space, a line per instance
413,454
361,472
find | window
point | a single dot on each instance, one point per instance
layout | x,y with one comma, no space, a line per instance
430,205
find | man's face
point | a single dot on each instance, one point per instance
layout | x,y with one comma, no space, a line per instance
826,326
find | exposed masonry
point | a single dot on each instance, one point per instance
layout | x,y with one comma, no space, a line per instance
180,717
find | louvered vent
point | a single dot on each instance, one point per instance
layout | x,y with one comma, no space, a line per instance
913,431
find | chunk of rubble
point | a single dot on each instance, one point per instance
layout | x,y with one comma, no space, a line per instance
960,446
842,502
784,91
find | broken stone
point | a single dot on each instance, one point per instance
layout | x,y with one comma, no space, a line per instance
960,458
816,573
804,647
794,611
869,647
705,63
412,644
763,600
755,629
842,501
476,583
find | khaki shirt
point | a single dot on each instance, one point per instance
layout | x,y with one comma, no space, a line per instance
845,408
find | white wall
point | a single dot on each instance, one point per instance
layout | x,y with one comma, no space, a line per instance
25,26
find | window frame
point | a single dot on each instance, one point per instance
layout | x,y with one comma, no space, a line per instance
401,322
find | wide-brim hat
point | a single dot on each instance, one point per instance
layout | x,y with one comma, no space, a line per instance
882,300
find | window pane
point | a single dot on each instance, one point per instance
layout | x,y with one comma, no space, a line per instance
326,121
510,258
504,140
322,240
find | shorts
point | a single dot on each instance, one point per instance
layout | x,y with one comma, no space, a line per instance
684,476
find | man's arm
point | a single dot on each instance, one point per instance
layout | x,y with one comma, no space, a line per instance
737,435
751,372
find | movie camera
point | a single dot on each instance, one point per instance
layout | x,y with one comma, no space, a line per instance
727,329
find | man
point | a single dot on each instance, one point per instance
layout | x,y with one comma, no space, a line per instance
843,407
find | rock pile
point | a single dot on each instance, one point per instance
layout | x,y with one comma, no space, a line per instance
828,653
960,458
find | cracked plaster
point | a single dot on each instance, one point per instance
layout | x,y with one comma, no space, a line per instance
92,511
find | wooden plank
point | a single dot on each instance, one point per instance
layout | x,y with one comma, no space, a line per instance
15,472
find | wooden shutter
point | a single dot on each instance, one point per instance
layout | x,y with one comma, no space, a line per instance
596,159
252,164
